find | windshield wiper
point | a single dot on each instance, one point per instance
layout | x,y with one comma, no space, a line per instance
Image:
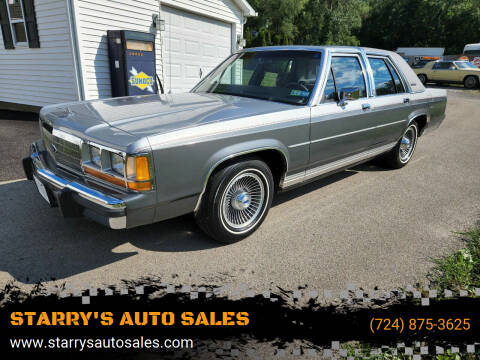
258,97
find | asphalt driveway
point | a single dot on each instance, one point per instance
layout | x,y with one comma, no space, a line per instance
369,226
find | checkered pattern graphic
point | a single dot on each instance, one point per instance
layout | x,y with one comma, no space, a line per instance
415,351
224,349
351,294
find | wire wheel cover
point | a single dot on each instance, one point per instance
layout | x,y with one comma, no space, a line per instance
407,144
243,200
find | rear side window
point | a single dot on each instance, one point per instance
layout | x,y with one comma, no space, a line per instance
387,80
348,73
384,84
442,65
396,78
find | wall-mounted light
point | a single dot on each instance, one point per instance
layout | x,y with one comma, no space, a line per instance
241,42
158,23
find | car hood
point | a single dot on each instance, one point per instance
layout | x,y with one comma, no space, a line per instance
143,116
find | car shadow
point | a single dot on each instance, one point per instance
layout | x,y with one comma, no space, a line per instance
375,165
39,245
459,87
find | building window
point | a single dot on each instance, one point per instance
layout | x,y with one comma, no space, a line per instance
17,21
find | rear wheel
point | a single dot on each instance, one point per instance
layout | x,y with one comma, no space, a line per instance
470,82
236,201
423,78
401,154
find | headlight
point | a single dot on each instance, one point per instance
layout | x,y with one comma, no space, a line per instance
117,164
134,172
95,156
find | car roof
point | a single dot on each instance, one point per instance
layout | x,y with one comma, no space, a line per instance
320,48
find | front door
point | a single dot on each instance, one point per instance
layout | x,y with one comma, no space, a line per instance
339,131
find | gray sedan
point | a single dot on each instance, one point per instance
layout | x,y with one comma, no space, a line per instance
265,120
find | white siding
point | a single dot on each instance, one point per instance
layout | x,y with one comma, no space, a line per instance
219,9
95,17
46,75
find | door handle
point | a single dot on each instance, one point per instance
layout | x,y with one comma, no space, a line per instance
406,100
366,107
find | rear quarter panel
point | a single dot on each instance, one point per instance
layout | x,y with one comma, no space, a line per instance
437,107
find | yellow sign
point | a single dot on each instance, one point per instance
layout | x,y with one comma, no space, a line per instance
141,80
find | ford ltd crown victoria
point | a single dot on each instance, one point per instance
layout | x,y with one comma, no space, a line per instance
265,120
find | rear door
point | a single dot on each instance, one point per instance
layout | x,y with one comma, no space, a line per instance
391,102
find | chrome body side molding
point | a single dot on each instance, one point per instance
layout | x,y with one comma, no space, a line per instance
336,165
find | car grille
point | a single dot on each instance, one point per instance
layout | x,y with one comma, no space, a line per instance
65,153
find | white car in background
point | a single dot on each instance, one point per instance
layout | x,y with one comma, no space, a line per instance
472,51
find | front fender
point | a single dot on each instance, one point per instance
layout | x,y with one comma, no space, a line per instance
239,149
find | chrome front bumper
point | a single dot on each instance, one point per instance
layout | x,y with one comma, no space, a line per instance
74,198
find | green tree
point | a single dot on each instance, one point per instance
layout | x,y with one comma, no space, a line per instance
421,23
275,23
332,22
386,24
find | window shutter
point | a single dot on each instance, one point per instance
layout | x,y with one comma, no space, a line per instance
6,29
31,23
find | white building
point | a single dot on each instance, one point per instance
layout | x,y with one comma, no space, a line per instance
55,51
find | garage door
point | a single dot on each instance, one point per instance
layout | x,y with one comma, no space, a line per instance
193,46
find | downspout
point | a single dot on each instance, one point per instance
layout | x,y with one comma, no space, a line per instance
75,50
161,44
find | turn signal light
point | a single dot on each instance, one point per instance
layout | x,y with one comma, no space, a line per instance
104,176
140,186
138,173
143,169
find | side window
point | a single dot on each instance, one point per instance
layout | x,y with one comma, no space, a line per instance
330,90
349,74
398,83
384,84
442,65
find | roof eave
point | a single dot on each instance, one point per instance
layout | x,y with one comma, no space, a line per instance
247,9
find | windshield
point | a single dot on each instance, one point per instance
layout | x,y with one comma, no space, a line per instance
465,65
284,76
475,52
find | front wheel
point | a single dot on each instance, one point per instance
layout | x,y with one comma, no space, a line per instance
237,200
401,154
470,82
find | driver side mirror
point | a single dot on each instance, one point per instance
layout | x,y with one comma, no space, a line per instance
348,94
